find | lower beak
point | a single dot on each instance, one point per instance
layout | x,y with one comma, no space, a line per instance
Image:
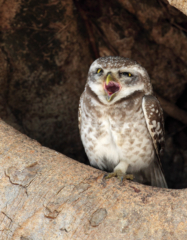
111,87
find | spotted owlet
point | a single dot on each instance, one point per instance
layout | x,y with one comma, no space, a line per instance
121,121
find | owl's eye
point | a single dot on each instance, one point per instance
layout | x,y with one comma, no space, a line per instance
99,70
126,74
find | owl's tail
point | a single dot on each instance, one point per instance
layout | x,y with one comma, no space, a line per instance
151,175
157,178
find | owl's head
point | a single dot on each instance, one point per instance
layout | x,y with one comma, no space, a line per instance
114,78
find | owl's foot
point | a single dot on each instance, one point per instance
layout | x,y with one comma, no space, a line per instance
120,175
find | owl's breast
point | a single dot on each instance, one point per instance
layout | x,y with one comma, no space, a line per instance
133,141
113,136
98,141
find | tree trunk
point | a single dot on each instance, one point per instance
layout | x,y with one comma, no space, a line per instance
46,48
45,195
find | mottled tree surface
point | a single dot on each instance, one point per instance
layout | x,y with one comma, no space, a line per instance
45,196
46,48
44,64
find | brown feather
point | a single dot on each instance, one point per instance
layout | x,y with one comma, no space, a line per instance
155,122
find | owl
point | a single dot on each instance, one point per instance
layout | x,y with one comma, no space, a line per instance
121,121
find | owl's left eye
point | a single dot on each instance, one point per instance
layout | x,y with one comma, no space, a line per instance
99,71
126,74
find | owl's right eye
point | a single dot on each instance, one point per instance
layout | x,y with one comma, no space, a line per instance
126,74
99,71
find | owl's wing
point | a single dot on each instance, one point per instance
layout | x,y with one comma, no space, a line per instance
155,123
79,113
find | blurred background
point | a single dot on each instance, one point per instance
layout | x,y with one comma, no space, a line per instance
47,46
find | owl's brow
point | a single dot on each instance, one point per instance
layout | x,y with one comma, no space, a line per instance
136,68
124,68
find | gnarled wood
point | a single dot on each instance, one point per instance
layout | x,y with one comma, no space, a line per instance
46,48
45,195
173,111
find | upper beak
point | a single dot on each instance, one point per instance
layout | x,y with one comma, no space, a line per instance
109,78
111,87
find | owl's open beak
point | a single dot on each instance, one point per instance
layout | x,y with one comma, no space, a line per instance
111,87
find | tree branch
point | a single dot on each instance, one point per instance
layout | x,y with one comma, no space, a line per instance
172,110
68,200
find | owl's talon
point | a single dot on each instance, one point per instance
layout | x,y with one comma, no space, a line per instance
110,175
104,175
120,175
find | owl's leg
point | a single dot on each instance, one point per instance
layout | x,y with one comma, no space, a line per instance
120,172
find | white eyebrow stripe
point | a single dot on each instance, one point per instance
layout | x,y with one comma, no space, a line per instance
135,68
94,65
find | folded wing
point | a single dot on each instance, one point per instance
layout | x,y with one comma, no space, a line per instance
155,123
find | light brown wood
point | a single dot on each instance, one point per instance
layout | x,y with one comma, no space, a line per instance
45,195
179,4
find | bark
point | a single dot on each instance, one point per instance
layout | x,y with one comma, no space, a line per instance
181,5
44,62
46,48
45,195
173,110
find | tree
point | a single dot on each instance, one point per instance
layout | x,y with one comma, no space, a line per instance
46,50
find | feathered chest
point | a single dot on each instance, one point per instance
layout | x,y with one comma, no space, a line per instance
114,132
114,123
124,114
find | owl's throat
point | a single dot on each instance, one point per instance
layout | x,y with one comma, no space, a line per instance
111,88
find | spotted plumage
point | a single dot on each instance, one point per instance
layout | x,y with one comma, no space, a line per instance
121,122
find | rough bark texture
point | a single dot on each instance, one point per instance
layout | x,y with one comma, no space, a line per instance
45,195
44,62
